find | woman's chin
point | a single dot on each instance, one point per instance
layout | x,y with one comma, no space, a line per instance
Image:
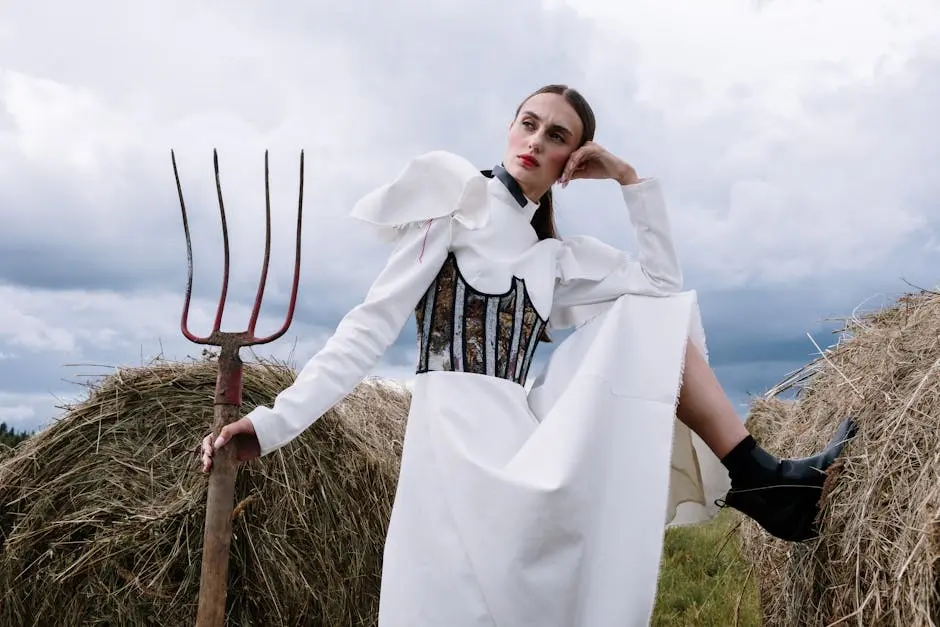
523,174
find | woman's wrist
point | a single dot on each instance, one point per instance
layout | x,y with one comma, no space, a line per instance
627,175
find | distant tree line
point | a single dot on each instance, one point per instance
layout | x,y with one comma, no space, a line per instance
10,436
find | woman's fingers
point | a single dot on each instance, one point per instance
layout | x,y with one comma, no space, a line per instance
242,427
579,161
207,453
574,163
223,438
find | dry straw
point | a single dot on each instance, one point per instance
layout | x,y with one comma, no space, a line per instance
877,561
101,515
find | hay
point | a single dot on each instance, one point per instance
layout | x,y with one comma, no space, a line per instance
767,416
101,515
877,561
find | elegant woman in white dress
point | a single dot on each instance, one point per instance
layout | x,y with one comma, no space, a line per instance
547,508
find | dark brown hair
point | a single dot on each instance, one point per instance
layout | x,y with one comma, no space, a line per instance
544,219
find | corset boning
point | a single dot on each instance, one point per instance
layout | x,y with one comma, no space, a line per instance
463,330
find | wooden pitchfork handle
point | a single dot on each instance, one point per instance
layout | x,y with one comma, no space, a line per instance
213,582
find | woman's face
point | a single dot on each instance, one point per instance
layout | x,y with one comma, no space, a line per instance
541,138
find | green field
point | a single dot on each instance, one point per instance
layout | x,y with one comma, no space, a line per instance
703,580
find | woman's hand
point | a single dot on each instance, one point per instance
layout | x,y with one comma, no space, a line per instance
593,161
241,434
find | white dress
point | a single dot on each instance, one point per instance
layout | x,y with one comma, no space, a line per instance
544,509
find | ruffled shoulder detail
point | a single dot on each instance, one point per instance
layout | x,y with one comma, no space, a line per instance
588,258
582,258
433,185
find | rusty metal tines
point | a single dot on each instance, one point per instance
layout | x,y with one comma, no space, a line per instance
247,337
228,392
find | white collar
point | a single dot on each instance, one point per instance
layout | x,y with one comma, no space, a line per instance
505,187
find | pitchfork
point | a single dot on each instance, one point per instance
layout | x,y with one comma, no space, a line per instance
228,397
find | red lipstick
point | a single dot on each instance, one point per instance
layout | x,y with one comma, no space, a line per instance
529,161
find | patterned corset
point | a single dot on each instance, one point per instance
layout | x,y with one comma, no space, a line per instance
463,330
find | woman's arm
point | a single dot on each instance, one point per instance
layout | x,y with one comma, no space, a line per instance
590,272
360,339
433,194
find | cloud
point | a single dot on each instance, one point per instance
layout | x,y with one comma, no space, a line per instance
793,140
22,412
787,133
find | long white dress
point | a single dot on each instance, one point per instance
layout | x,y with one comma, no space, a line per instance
544,509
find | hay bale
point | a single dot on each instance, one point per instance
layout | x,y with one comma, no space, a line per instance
767,416
877,561
101,514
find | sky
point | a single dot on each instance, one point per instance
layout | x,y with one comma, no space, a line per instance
796,143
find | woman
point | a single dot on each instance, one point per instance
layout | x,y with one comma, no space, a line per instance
544,508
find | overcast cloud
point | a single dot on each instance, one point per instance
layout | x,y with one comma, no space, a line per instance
797,143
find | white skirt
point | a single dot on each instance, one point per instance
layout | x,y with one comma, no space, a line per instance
546,509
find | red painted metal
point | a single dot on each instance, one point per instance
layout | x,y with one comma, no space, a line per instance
213,584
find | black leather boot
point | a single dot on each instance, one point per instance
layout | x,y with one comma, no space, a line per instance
781,495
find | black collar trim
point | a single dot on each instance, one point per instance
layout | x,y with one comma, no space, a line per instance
511,184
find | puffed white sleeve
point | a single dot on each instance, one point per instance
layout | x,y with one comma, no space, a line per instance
591,274
430,185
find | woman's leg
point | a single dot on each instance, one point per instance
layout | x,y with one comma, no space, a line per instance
704,407
782,495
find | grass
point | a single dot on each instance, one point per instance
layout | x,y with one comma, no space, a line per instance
703,580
